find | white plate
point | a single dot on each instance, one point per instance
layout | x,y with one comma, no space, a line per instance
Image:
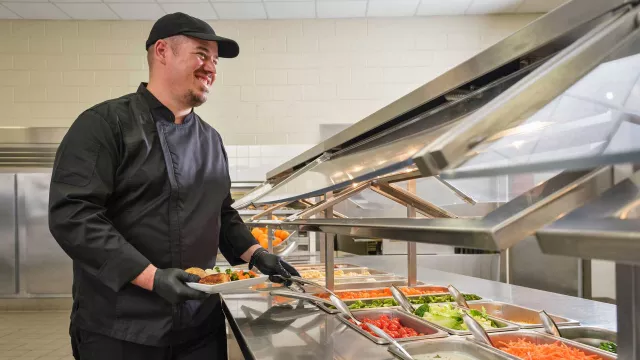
228,286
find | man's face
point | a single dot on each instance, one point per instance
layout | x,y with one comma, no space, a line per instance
192,69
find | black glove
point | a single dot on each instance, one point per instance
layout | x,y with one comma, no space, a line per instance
170,284
270,264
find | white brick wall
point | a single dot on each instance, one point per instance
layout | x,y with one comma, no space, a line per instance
291,75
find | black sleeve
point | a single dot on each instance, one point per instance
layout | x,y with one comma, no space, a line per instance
235,237
81,184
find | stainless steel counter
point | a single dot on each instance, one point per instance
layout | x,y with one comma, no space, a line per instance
276,331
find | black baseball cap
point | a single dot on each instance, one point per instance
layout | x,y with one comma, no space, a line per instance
182,24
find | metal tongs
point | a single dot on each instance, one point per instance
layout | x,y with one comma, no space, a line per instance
476,329
299,280
458,297
340,305
402,299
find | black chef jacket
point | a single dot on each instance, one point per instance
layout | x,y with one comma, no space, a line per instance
131,188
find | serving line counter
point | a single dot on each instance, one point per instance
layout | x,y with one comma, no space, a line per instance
266,328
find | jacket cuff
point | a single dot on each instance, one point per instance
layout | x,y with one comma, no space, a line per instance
122,267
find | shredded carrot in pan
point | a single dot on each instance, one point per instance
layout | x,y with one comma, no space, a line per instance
529,351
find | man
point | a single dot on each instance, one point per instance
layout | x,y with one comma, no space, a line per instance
140,191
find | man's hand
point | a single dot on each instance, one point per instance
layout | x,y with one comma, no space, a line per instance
170,284
270,264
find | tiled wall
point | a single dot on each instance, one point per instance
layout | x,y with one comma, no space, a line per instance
290,77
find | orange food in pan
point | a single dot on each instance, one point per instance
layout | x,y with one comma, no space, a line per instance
557,351
377,293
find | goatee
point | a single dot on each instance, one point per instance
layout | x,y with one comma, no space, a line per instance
195,100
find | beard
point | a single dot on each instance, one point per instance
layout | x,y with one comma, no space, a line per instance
195,100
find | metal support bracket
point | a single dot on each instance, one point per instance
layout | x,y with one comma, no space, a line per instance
406,198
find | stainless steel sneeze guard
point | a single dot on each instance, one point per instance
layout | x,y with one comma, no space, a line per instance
499,230
538,34
459,153
606,228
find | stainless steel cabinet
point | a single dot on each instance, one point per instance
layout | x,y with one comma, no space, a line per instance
44,267
8,265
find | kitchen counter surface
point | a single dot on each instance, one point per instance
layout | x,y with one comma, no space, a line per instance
269,328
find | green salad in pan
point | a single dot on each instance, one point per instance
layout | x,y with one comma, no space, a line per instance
424,299
450,317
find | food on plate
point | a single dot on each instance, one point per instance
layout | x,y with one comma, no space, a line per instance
525,349
391,326
444,355
217,276
448,316
260,234
215,279
196,271
609,346
377,293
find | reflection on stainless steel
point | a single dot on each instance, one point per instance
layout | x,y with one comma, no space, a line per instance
525,318
406,198
447,345
527,97
44,267
534,36
8,263
498,230
540,338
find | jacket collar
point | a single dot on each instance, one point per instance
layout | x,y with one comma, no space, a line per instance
158,109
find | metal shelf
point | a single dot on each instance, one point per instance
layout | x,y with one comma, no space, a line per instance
606,228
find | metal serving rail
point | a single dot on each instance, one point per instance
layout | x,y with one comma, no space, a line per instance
265,330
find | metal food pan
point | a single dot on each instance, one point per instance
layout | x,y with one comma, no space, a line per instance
303,267
349,302
524,317
381,285
451,344
503,325
372,279
348,272
538,337
406,320
360,286
588,335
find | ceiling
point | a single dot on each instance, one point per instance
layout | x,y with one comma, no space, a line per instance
261,9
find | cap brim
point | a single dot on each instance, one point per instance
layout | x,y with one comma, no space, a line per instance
227,48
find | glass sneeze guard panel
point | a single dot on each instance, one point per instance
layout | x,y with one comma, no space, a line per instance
395,156
595,122
578,111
